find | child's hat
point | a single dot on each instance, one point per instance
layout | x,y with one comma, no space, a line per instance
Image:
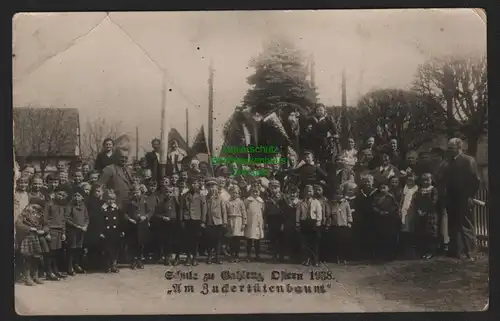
63,188
211,181
319,185
77,191
274,183
308,152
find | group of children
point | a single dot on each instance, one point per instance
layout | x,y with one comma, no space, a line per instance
64,227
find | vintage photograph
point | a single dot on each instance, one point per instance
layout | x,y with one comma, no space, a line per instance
235,162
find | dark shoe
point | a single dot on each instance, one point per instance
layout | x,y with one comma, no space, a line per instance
109,270
176,262
29,281
140,265
218,261
306,263
166,262
52,277
61,275
316,264
78,269
114,269
195,263
37,281
71,272
209,260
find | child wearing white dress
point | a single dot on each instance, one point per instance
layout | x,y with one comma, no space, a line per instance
254,230
236,220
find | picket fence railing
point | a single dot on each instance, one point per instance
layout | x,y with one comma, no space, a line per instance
481,218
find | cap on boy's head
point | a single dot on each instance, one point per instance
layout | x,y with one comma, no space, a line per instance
319,186
211,182
274,183
234,188
308,152
63,188
194,179
77,190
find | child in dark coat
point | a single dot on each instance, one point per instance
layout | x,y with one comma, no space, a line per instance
136,224
385,208
274,218
77,221
291,233
167,225
152,200
54,225
111,231
193,207
425,203
31,238
325,240
364,218
92,239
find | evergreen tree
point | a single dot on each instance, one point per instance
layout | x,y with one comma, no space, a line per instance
280,80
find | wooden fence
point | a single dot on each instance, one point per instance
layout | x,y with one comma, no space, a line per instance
481,218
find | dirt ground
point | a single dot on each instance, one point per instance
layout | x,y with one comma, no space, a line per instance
438,285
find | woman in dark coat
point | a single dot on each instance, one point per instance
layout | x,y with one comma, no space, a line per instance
105,157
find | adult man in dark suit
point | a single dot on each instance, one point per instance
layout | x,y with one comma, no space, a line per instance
461,177
153,160
118,177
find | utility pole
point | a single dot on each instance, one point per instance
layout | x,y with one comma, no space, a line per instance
312,71
164,128
187,127
137,143
344,90
211,108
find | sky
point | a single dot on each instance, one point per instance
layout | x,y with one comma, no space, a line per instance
112,66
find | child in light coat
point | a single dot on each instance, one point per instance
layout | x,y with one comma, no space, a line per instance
236,221
254,230
340,224
407,215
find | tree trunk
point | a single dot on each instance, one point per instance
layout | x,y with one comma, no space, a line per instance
448,96
472,144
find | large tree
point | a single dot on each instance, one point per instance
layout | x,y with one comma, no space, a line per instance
460,85
280,79
279,85
94,133
411,118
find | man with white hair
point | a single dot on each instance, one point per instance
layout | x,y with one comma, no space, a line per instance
461,179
